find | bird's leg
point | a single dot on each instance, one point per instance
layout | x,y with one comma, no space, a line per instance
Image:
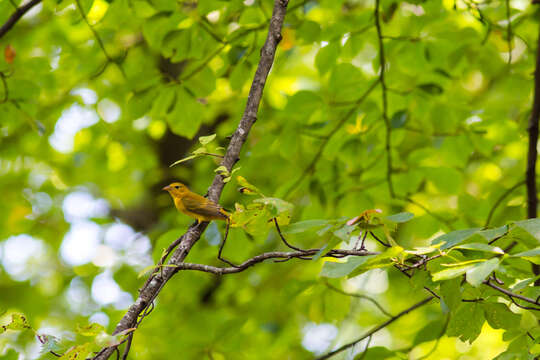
222,244
363,238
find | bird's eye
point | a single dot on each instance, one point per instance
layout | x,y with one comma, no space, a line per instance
177,187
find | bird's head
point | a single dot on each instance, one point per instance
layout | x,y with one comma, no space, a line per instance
176,189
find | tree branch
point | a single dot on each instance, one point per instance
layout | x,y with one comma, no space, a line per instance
500,200
360,296
532,197
99,41
377,328
382,61
268,255
513,295
149,292
19,13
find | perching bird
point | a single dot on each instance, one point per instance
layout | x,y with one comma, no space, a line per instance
195,205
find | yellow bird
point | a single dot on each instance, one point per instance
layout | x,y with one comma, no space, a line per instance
195,205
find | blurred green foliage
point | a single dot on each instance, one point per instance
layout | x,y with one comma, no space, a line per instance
104,95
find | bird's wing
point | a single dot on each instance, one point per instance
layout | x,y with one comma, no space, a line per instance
202,206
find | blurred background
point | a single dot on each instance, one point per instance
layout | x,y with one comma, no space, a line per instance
99,97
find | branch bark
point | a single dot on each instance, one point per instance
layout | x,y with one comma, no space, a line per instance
532,197
268,255
19,13
156,282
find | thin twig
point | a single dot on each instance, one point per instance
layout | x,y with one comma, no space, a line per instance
360,296
500,200
365,349
283,238
377,328
388,139
16,16
6,89
128,346
430,213
98,39
512,295
509,32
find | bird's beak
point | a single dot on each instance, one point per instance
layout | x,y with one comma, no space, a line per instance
166,188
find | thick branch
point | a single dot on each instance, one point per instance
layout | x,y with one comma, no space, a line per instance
156,283
19,13
377,328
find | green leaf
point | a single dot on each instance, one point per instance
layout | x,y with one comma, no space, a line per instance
337,270
375,353
252,16
90,329
451,273
202,83
327,56
302,105
183,160
381,260
187,115
344,232
86,5
433,330
477,274
499,316
156,27
207,139
532,255
246,185
78,352
480,247
10,354
520,285
18,322
334,241
164,101
451,293
517,350
466,323
303,226
400,217
399,119
532,226
222,170
343,83
491,234
420,279
280,205
454,238
431,88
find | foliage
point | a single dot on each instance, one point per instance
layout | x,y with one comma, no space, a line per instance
99,99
